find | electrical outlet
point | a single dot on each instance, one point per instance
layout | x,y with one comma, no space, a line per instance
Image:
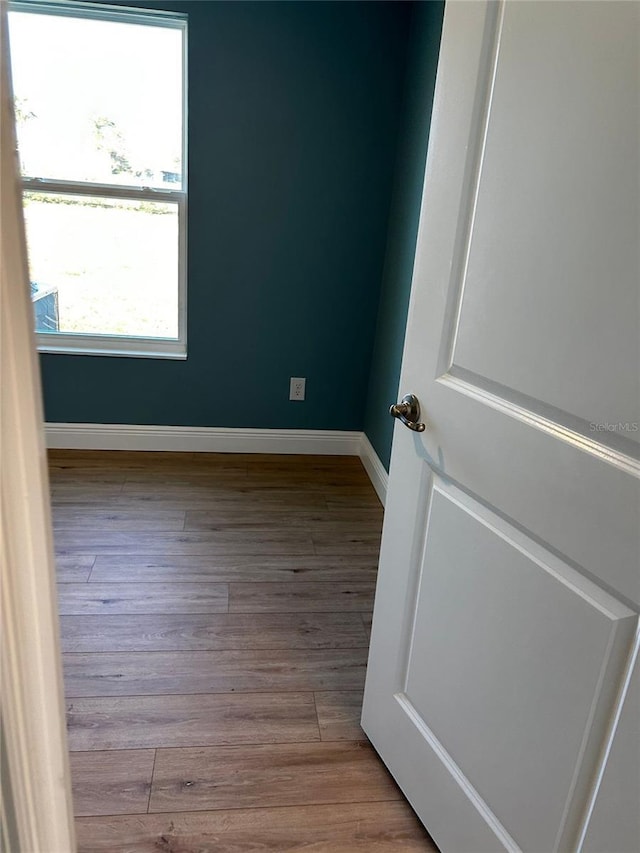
297,388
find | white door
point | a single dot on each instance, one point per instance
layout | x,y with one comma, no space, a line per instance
507,606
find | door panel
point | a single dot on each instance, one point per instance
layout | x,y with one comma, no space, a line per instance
536,733
507,603
543,155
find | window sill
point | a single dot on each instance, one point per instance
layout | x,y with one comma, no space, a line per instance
127,348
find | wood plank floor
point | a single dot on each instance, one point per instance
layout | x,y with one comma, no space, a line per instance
215,617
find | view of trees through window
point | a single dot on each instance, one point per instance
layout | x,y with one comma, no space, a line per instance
99,117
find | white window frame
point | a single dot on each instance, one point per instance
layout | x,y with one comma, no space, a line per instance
121,345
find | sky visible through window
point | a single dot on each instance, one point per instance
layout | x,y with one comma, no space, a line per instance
86,88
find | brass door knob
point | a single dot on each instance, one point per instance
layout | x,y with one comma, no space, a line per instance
408,411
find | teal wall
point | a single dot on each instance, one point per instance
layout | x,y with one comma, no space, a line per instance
424,43
294,111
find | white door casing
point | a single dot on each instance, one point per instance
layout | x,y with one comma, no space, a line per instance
35,807
506,613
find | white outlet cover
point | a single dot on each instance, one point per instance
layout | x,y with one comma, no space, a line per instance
297,387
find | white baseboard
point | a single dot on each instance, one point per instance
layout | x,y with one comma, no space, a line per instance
201,439
220,440
375,469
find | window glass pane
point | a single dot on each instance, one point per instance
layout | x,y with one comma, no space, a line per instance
98,100
103,266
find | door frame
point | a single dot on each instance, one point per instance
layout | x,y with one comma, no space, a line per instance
36,805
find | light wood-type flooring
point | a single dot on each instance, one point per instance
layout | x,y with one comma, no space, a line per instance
215,616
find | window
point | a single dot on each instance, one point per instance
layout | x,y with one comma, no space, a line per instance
100,115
